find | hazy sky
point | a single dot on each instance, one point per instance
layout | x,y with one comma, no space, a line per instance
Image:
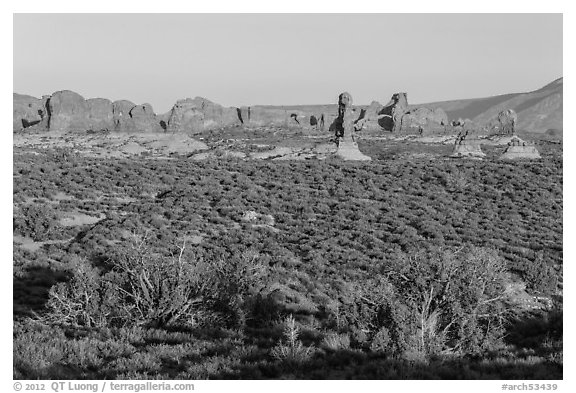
247,59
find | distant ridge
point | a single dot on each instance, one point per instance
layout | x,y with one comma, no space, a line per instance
538,111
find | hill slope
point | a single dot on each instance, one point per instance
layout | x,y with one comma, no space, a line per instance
538,111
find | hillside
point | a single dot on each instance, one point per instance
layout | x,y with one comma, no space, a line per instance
538,111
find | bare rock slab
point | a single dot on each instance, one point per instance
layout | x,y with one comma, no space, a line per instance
465,147
519,149
348,151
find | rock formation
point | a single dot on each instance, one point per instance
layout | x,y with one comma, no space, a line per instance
121,114
399,108
29,112
464,125
391,115
504,122
199,114
68,112
143,119
258,116
128,117
465,147
424,120
304,120
398,117
368,119
519,149
345,131
100,114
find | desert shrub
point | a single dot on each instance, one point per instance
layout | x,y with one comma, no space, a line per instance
82,301
336,342
155,290
38,221
348,235
433,301
291,350
144,288
382,341
540,276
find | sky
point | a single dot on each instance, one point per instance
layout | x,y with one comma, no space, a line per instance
285,59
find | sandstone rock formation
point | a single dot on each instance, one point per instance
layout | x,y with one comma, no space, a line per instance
391,115
301,119
399,108
504,122
29,111
370,117
424,120
199,114
121,114
128,117
143,119
258,116
68,112
263,116
519,149
466,147
345,131
100,114
464,125
398,117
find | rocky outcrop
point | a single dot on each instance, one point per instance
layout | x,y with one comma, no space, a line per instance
263,116
368,118
466,147
424,120
504,123
144,119
301,119
131,118
29,112
186,116
68,111
519,149
398,110
398,117
345,131
100,114
199,114
258,116
390,116
121,114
